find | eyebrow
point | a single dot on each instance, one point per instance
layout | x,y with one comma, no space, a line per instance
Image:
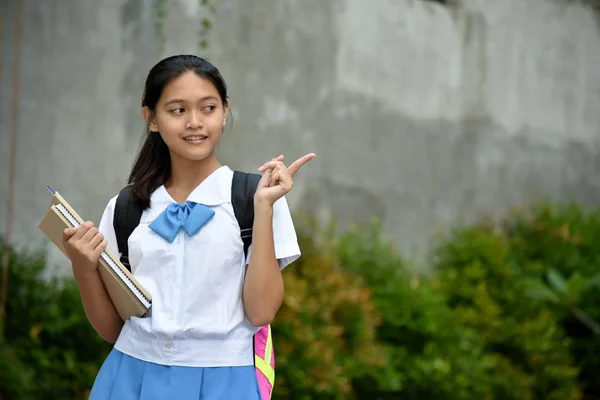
209,97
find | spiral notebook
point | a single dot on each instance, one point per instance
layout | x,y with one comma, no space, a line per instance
126,293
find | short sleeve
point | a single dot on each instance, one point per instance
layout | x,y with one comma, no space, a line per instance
106,227
287,249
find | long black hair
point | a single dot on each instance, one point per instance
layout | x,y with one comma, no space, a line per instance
152,166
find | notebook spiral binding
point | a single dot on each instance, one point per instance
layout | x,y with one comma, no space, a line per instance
140,296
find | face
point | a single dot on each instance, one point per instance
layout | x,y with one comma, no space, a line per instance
190,116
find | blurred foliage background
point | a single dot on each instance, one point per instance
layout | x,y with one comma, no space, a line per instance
511,312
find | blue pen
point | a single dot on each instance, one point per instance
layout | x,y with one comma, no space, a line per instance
52,191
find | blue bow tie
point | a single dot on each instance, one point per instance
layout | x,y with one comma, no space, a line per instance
191,216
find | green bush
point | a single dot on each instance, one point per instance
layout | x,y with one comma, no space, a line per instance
509,314
486,288
15,377
49,350
435,355
565,239
324,334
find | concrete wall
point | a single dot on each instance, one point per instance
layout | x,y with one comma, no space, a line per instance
422,115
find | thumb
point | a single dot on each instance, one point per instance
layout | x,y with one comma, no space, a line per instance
67,233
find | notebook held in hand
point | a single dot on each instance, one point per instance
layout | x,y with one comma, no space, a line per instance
128,296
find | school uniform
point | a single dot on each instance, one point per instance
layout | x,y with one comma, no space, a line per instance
196,340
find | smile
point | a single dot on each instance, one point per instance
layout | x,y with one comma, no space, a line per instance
195,138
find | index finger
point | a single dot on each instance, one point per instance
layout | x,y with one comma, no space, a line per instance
295,166
82,230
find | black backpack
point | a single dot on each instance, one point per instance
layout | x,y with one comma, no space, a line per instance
128,213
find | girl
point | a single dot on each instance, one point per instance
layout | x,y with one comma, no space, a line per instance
208,300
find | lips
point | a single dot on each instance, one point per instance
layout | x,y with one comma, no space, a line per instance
195,138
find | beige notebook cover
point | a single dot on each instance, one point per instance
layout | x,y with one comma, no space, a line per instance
127,294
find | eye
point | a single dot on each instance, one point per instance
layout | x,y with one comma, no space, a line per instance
177,111
209,108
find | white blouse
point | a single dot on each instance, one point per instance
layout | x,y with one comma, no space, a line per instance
197,318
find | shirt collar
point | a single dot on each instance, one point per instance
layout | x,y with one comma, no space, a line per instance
213,191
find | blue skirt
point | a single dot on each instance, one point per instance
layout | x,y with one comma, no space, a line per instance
123,377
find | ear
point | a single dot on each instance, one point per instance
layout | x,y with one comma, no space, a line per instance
226,108
150,119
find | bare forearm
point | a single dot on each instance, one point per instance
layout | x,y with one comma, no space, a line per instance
97,305
263,286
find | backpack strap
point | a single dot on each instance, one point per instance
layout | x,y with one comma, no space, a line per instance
126,218
243,187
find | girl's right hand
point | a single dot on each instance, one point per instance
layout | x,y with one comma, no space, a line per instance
84,245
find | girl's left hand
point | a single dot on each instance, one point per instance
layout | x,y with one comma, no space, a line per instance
277,179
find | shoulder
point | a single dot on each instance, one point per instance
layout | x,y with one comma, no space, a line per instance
110,206
106,224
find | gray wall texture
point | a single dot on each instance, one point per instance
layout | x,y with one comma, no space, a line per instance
422,115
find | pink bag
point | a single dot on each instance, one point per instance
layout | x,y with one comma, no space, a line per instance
264,361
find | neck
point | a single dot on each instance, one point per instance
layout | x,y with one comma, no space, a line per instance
186,175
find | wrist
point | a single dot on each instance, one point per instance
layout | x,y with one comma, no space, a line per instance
84,274
263,208
262,205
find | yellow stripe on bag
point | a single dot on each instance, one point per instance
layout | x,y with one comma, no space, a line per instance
269,347
266,369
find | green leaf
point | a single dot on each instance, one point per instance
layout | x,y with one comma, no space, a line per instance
538,290
557,281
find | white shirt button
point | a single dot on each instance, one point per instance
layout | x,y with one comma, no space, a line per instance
169,345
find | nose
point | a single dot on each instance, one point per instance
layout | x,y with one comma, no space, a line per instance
194,120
